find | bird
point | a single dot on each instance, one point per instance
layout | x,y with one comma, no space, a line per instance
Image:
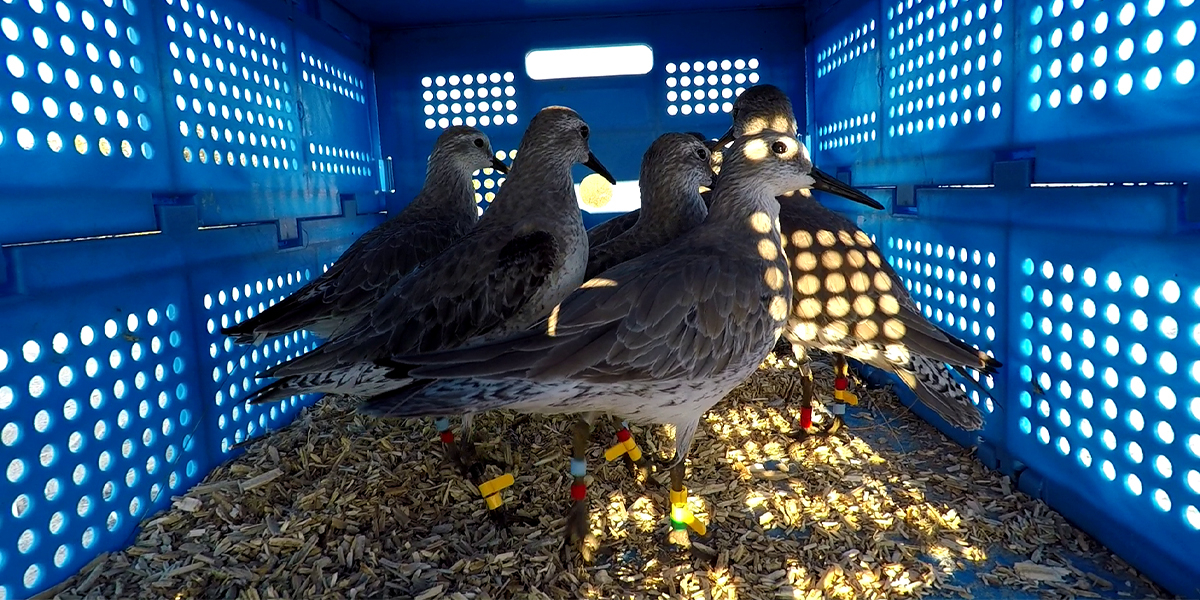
824,182
673,169
848,301
442,212
660,338
528,252
617,225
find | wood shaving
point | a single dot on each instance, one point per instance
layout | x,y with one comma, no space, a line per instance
339,505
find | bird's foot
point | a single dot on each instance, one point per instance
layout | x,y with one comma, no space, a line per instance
835,425
682,519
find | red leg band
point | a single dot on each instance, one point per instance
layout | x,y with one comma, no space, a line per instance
578,492
806,417
447,437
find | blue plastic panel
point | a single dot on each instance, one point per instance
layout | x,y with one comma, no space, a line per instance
80,92
335,90
411,90
846,86
116,389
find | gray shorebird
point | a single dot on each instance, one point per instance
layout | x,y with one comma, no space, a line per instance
441,213
848,301
822,182
672,172
660,338
528,252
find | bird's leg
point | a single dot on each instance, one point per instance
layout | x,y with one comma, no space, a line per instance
841,395
681,516
628,448
474,470
577,517
807,395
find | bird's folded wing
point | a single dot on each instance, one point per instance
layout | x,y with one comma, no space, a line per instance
464,292
611,228
667,315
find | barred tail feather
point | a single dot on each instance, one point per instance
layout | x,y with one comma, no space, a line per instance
937,389
277,390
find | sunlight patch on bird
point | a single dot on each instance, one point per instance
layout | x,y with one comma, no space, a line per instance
760,222
856,259
808,285
802,239
826,238
778,308
598,282
806,261
893,329
809,308
845,237
883,283
866,330
889,305
552,321
831,259
756,149
859,282
774,278
864,306
767,249
835,283
838,306
836,331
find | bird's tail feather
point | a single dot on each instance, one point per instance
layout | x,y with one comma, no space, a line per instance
277,390
937,389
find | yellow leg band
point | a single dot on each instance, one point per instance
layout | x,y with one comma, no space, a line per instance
490,488
845,396
621,448
681,514
494,501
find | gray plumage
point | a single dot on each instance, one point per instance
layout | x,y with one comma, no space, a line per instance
527,253
660,338
848,300
441,213
673,169
610,229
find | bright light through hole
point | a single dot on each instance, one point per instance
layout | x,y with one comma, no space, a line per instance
601,61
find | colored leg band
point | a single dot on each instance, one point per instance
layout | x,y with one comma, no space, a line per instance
447,437
578,492
578,468
443,424
624,445
806,417
490,490
838,408
681,515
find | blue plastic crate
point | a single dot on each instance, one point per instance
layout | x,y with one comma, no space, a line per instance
168,167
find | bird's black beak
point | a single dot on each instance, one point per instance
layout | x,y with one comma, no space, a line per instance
595,165
827,183
724,139
499,165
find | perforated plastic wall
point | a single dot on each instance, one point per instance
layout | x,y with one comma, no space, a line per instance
127,129
1008,137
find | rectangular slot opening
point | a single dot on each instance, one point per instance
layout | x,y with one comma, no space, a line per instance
596,61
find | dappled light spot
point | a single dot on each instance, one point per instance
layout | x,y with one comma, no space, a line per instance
838,307
809,308
856,259
767,249
864,306
805,330
760,222
806,261
836,331
874,258
845,237
860,282
802,239
826,238
883,283
835,283
778,308
598,282
831,259
863,239
808,285
893,329
866,330
774,278
889,305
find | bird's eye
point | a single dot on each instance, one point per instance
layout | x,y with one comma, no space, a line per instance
478,143
584,132
779,148
702,154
